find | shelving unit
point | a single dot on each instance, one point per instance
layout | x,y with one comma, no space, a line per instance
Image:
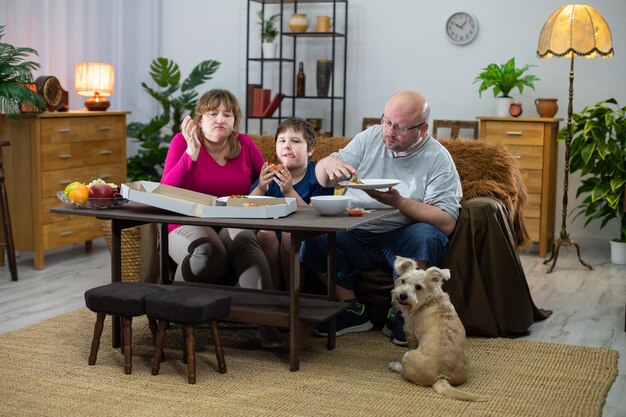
286,62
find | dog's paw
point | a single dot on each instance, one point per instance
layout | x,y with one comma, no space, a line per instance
395,366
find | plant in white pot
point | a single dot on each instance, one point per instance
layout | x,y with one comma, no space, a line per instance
598,151
269,32
502,79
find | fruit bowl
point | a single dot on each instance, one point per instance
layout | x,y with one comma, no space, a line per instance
94,203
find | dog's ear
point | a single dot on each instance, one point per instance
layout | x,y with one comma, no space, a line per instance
438,275
403,265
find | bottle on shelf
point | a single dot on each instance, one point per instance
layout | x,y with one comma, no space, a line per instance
300,81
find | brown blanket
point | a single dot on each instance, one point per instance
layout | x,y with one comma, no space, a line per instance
489,170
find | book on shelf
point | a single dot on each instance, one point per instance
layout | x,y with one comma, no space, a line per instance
273,105
250,99
261,101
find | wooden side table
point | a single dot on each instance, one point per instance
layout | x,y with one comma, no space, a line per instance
47,152
532,141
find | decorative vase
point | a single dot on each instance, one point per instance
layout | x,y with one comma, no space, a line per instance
324,72
546,107
502,106
269,50
618,252
298,22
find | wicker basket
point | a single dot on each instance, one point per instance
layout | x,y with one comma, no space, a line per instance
131,251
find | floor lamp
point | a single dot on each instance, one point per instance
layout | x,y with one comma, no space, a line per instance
573,30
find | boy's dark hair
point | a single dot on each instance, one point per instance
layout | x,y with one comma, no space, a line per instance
300,126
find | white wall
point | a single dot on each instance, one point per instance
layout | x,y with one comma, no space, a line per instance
401,44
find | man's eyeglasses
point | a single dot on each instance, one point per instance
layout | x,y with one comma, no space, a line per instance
386,122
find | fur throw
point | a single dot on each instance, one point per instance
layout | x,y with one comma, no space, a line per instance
489,170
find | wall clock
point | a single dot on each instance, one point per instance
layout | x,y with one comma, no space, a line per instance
55,97
462,28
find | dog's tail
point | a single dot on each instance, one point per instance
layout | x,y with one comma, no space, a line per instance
443,387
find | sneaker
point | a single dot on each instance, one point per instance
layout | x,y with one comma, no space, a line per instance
394,328
399,337
390,323
352,320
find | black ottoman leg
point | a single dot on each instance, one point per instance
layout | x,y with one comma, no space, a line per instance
219,351
156,356
190,343
95,343
127,338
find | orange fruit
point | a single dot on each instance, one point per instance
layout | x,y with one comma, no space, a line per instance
79,194
70,187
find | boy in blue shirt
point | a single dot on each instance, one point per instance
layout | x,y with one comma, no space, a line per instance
294,176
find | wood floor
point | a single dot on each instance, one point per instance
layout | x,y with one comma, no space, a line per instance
588,305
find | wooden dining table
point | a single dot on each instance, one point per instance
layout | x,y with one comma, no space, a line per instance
264,307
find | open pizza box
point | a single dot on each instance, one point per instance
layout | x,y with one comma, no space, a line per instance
196,204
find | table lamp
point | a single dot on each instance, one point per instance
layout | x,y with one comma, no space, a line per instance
94,80
573,30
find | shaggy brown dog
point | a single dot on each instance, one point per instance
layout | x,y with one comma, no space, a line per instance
430,318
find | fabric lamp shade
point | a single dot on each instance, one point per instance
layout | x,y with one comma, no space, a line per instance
575,30
94,80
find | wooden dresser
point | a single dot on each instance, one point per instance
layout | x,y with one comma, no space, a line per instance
47,152
532,141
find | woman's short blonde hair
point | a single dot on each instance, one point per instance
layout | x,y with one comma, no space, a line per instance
212,100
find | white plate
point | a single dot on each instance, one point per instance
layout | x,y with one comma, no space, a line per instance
372,184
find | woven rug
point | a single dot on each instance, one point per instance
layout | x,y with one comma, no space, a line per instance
44,371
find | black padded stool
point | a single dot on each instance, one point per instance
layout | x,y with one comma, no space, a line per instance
124,299
188,306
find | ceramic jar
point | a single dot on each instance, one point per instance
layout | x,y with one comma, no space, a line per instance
298,22
546,107
323,24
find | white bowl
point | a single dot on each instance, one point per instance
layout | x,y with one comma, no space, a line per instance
330,205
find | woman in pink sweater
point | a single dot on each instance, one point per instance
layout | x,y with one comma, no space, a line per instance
211,156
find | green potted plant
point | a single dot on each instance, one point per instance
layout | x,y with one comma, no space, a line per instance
15,75
269,32
598,152
153,138
502,79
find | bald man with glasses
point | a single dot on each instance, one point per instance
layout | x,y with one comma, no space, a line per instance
427,199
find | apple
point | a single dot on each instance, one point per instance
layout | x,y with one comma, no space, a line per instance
101,195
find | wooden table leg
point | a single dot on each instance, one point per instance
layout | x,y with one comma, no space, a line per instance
332,274
116,275
294,310
164,254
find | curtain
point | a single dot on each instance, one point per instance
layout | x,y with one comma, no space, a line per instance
67,32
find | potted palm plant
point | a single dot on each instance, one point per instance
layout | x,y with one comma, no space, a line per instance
598,152
502,79
15,76
269,32
147,164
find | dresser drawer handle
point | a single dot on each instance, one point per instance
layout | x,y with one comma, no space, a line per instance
105,127
106,152
65,130
513,133
65,182
105,176
66,233
516,156
65,155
